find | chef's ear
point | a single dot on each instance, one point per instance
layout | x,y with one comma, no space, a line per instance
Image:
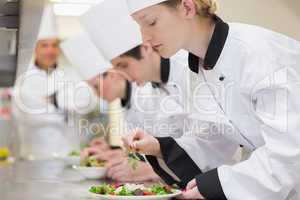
146,50
188,8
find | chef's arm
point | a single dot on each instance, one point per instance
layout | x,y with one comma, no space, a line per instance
35,110
187,156
80,99
272,171
201,147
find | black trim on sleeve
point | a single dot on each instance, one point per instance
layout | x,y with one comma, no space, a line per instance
215,47
152,160
125,102
209,185
178,160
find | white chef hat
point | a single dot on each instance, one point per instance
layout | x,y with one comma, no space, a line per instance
111,28
136,5
82,53
48,26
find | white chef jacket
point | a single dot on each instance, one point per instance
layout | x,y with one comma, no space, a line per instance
257,74
163,110
158,108
41,125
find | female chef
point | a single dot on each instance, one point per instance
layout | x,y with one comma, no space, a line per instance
254,76
143,64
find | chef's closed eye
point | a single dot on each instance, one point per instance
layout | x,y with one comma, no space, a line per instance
122,65
152,23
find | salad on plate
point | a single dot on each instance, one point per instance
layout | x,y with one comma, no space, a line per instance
133,190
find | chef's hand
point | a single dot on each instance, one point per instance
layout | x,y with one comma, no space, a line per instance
100,143
192,191
120,170
110,154
97,146
89,151
95,83
142,142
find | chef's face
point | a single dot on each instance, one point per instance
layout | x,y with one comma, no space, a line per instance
138,65
110,85
164,27
47,53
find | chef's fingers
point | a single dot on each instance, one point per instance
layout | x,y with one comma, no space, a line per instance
98,142
125,144
190,194
128,141
109,155
102,155
84,154
115,169
93,150
121,177
114,162
141,146
87,152
191,184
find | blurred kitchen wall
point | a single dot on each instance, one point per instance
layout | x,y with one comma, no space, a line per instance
279,15
30,17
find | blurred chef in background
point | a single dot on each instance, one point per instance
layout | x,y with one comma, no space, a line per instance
44,94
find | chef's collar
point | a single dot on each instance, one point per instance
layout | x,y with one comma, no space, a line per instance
164,72
125,102
215,47
49,69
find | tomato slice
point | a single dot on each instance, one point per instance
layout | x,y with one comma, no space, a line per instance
146,193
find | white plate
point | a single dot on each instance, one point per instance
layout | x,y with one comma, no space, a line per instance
156,197
91,172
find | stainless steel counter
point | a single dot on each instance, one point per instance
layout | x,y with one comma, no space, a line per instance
42,180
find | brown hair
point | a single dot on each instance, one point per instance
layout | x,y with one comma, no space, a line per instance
134,53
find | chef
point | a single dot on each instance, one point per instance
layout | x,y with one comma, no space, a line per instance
258,71
39,95
129,55
110,85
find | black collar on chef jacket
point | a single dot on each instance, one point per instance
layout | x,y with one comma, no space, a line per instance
125,102
51,69
164,72
215,47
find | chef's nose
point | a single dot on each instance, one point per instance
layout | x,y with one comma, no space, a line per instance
146,36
